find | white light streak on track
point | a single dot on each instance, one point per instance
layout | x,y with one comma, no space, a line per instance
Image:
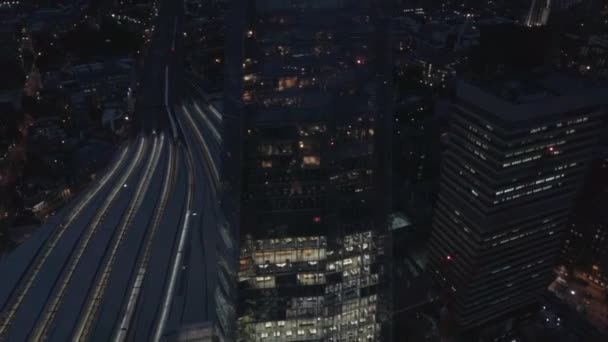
211,126
199,135
88,318
168,299
217,114
123,328
61,229
48,315
170,291
205,97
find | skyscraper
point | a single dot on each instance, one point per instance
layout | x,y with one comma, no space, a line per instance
538,14
306,166
540,10
516,157
585,249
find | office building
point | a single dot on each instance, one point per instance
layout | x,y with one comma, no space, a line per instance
516,157
584,249
305,169
538,14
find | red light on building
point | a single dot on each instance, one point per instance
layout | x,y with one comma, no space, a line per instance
551,149
359,61
316,219
448,257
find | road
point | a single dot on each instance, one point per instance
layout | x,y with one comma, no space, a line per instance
584,296
128,258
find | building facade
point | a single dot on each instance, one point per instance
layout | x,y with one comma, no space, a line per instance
538,14
584,249
540,10
306,163
516,157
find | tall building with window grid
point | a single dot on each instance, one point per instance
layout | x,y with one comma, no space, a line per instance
516,157
306,171
538,14
540,10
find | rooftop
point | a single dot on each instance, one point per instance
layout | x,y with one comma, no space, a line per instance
99,70
515,99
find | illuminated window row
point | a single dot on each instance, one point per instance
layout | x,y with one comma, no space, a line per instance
538,129
523,235
522,161
294,255
527,193
512,231
349,263
289,243
535,148
523,186
566,166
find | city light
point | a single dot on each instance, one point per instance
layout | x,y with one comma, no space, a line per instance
450,144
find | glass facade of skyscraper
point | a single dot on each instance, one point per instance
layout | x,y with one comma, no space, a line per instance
304,109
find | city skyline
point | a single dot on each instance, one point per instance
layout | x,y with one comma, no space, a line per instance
303,170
